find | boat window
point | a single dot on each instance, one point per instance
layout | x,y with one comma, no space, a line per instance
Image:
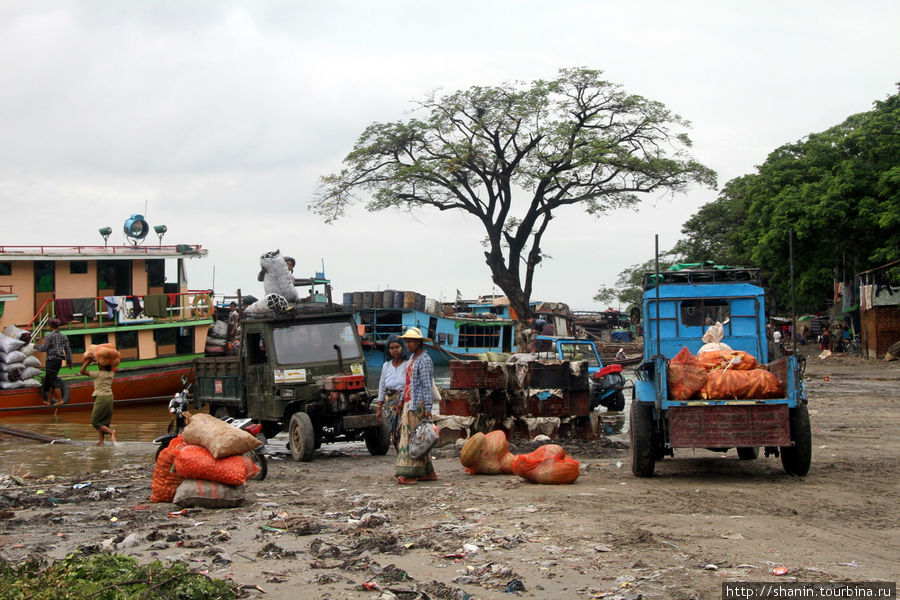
126,339
5,269
44,276
165,337
114,275
579,351
479,336
156,272
78,267
704,312
76,343
312,343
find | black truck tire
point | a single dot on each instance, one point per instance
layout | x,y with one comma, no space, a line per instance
748,453
378,439
797,458
643,446
301,441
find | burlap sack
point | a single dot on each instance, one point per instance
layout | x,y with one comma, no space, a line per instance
220,438
208,494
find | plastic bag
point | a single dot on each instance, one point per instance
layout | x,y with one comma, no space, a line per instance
8,344
220,438
422,439
487,454
165,479
755,384
738,359
208,494
714,334
548,465
16,333
686,376
713,347
196,462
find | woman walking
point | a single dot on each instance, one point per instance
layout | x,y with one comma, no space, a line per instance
101,416
417,400
390,386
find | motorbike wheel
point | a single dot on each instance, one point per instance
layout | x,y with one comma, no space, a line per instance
617,402
259,459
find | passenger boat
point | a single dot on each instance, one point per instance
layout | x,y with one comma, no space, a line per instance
133,296
461,330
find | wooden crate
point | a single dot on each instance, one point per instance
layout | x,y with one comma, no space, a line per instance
458,402
474,374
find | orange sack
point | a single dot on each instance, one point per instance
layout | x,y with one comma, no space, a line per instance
686,376
742,385
104,354
722,358
165,479
548,464
196,462
487,454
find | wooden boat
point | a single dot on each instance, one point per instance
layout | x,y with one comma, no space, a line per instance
158,324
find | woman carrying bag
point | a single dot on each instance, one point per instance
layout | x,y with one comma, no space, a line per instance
418,396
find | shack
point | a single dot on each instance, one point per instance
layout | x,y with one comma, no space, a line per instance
879,308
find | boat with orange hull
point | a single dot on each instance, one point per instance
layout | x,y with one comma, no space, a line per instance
134,297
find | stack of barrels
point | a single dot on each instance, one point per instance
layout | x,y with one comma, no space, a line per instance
388,299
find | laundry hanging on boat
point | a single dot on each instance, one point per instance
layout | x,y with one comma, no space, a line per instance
86,307
64,310
121,307
155,305
111,306
136,304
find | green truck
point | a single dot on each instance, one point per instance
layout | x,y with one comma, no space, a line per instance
303,372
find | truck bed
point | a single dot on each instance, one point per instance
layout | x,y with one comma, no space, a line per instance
217,380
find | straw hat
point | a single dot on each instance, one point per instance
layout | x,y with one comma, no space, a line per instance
414,333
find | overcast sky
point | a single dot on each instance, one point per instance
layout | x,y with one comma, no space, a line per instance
219,117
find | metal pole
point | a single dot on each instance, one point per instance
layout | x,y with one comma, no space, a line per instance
656,258
793,303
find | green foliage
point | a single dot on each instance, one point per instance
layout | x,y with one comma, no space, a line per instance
107,577
511,155
839,190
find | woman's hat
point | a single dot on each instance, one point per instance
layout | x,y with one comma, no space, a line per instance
414,333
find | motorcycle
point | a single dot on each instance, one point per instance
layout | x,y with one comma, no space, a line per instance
607,386
179,403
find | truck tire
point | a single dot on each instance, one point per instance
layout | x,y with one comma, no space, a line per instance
643,446
301,441
378,439
748,453
797,458
617,402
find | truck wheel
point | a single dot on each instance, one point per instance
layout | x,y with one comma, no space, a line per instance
748,453
797,458
617,402
301,441
643,451
378,439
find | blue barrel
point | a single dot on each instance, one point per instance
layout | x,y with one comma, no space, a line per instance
348,299
398,300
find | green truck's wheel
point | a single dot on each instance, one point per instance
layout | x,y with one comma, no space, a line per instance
378,439
301,440
643,454
797,458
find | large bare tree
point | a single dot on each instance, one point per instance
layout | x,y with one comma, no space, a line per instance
513,154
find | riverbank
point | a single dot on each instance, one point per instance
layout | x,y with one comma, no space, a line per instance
327,528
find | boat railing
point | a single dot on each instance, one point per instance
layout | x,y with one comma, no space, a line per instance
94,250
193,305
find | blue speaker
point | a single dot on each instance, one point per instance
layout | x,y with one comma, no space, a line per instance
136,227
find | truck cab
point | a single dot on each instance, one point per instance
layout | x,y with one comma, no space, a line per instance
606,382
303,372
679,306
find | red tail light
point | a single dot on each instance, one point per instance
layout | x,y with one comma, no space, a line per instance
253,429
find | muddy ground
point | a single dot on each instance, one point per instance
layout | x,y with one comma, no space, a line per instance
323,529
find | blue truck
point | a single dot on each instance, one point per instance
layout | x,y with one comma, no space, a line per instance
678,308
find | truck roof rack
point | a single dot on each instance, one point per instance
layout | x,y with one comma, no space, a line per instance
300,310
695,276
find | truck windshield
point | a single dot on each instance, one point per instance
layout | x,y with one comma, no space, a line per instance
314,343
579,351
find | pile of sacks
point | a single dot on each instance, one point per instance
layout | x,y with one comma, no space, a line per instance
18,367
205,465
217,338
720,375
489,455
103,354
